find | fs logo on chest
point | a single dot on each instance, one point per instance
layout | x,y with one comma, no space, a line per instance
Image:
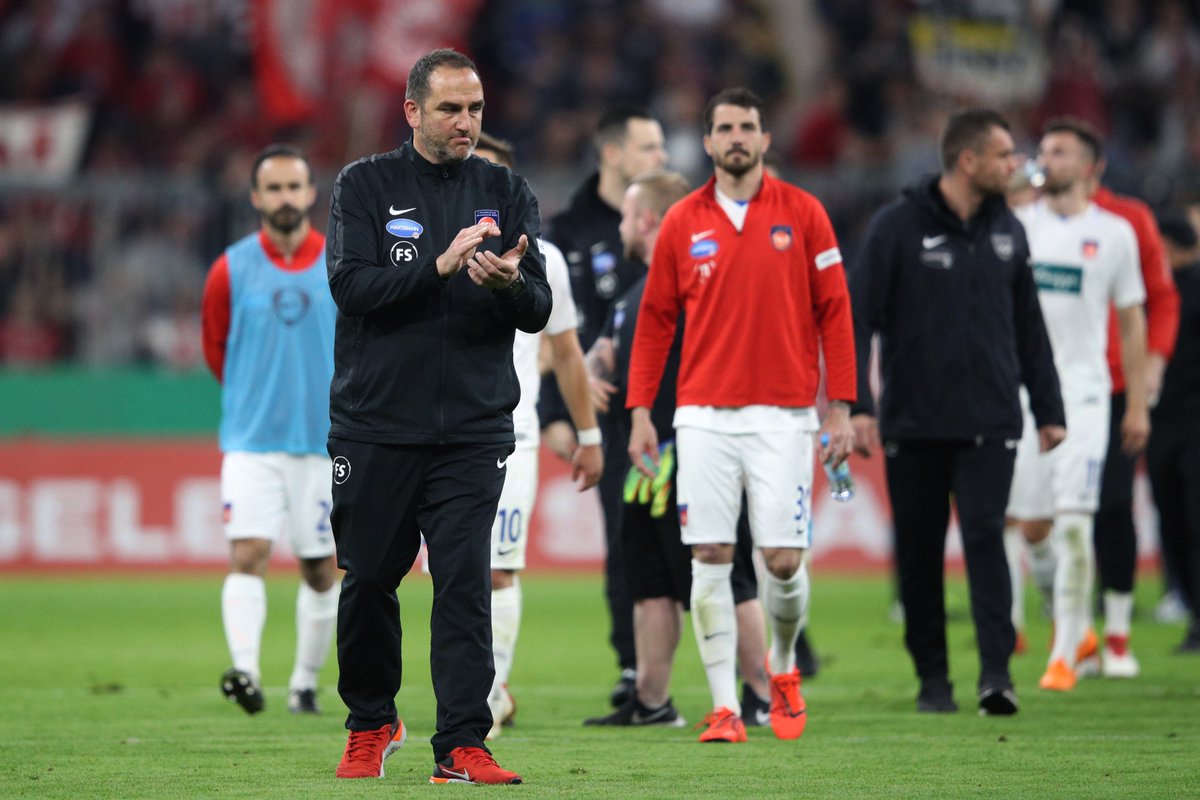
404,252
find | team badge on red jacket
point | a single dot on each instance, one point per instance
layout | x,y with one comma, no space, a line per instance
781,236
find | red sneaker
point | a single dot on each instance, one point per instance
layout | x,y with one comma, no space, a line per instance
1087,655
788,714
471,765
1059,677
723,726
366,751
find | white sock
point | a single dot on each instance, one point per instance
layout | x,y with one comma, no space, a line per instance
1118,613
1014,546
787,610
244,612
316,620
715,622
1042,566
1072,539
506,623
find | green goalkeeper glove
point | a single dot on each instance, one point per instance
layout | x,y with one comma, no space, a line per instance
655,491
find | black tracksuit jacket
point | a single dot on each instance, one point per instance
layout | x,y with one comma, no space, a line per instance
588,233
419,359
960,326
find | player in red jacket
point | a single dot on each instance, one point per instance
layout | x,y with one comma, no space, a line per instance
1115,537
753,263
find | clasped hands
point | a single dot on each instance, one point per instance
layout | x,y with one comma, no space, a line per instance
486,269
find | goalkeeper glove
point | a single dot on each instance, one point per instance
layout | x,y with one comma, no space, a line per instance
655,491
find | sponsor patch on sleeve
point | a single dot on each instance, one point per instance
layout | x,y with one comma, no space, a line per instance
828,258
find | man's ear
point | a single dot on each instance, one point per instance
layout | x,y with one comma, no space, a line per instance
412,113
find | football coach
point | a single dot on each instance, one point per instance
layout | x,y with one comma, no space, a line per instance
433,264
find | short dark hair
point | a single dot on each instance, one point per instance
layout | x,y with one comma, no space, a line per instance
417,89
738,96
614,122
278,150
502,149
967,130
1084,131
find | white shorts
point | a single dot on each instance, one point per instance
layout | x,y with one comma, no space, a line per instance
266,494
776,470
1068,477
511,528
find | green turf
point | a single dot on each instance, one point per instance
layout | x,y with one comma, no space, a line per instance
108,688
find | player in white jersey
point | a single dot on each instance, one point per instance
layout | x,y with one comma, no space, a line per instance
1083,258
520,484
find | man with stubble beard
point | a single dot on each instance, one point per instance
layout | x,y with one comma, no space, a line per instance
434,266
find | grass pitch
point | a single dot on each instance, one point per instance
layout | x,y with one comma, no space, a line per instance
108,689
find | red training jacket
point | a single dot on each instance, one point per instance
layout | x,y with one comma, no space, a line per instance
761,305
1162,301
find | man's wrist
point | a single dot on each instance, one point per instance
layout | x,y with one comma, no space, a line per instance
588,437
514,288
839,405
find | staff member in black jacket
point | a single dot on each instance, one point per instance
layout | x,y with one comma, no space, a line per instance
943,278
433,266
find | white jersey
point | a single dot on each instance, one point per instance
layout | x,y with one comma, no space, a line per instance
1080,264
526,345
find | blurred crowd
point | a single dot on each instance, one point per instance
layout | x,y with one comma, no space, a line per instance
105,265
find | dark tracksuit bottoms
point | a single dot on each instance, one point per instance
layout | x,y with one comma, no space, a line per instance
612,503
392,495
1173,464
1114,533
923,477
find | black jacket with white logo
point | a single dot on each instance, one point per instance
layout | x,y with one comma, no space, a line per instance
419,359
958,318
588,233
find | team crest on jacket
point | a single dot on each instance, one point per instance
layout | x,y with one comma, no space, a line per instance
781,237
1090,248
1002,243
489,215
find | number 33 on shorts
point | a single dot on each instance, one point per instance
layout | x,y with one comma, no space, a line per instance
803,515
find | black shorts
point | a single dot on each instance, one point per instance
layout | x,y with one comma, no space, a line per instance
658,564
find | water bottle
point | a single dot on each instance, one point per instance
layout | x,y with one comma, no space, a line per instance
1034,174
841,483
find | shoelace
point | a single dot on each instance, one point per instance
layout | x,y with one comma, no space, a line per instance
362,743
786,684
476,757
712,718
